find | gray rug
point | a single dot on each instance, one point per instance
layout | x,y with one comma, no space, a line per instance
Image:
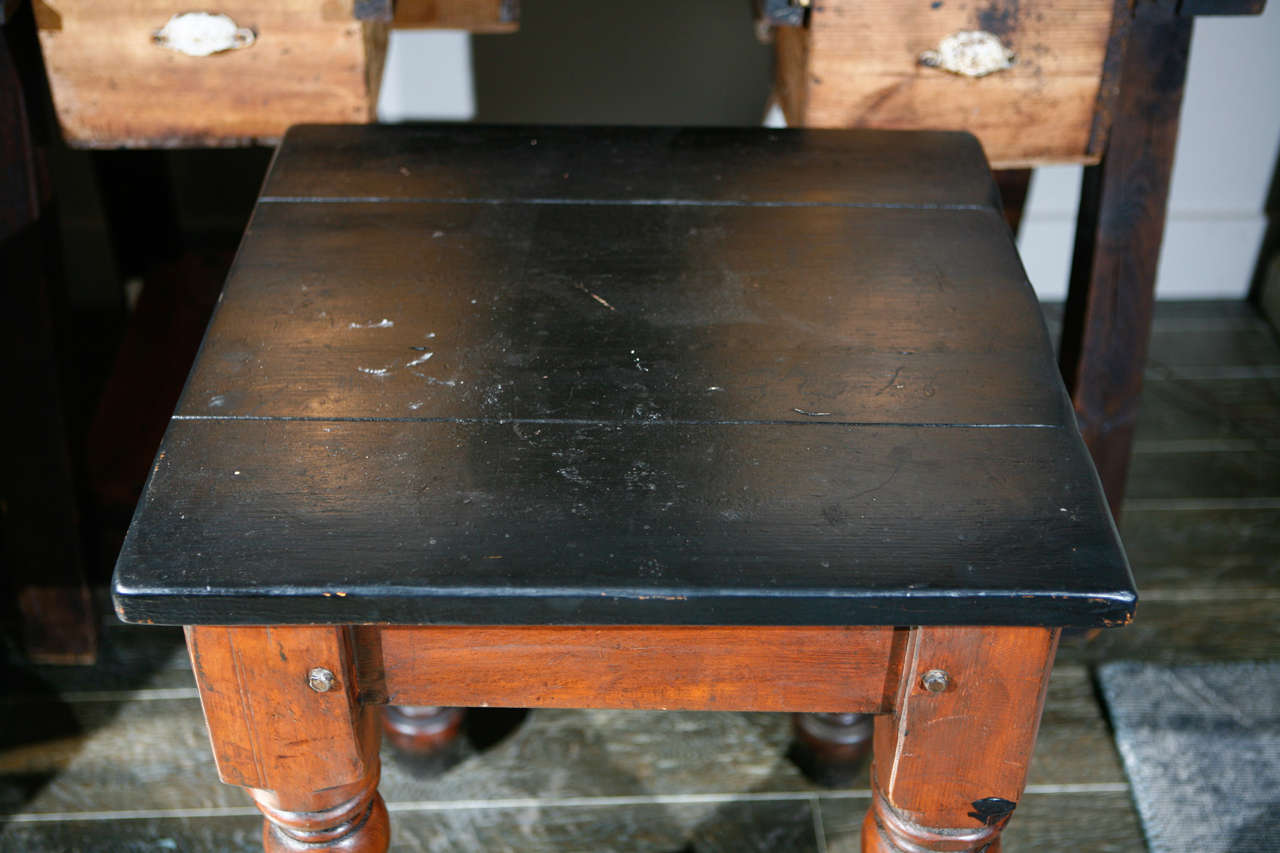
1201,745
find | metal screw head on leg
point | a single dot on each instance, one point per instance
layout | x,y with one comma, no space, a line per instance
320,680
935,680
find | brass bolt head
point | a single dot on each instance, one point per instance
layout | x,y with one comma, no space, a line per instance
320,680
935,680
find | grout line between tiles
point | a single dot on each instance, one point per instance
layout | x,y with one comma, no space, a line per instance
819,831
1194,504
513,803
142,694
1206,445
1155,373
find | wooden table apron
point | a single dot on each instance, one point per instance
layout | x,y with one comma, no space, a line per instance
949,770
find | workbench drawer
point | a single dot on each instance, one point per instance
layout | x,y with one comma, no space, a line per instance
118,80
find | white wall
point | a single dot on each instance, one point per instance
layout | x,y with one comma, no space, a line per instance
1227,149
427,77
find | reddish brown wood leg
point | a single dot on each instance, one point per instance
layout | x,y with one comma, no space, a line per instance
951,760
420,730
425,737
356,822
1107,322
831,749
286,724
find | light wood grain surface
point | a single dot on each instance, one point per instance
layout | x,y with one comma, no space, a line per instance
114,86
857,64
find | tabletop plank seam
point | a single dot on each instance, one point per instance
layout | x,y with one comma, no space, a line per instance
650,422
620,202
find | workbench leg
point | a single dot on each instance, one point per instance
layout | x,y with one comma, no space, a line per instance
1107,322
424,737
286,723
831,749
39,514
951,761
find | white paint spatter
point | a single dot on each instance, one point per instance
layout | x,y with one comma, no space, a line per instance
384,323
202,34
375,371
431,380
422,359
414,406
970,53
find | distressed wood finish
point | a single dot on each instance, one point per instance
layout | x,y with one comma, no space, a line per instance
950,766
679,166
1107,322
856,64
308,759
625,377
311,61
716,519
639,667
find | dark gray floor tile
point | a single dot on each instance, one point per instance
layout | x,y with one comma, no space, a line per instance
1204,553
1238,474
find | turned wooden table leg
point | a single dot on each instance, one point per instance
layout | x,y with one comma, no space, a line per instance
950,763
421,730
831,749
286,724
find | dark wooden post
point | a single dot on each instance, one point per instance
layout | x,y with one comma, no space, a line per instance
1107,322
39,527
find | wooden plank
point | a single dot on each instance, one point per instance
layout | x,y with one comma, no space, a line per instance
500,523
477,16
856,64
558,311
703,669
113,86
809,167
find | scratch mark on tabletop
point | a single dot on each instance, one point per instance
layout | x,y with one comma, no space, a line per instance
597,297
384,323
811,414
892,383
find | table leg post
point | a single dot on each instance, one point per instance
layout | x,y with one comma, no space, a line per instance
1107,322
286,723
950,762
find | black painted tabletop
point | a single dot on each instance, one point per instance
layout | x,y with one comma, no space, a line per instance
625,376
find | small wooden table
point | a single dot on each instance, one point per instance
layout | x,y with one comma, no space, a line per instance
627,418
